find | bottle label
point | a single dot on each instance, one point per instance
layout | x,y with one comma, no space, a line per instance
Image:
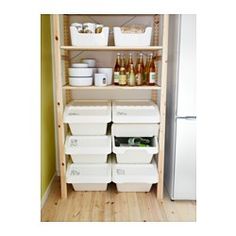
122,80
116,77
152,77
139,79
131,80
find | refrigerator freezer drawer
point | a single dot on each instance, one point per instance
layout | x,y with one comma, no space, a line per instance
185,162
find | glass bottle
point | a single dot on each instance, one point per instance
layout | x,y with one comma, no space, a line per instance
151,71
131,78
123,76
140,70
146,72
139,75
117,70
130,62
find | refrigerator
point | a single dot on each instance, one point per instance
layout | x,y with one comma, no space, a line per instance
180,143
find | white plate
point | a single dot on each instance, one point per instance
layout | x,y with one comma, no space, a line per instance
80,65
80,81
91,62
82,72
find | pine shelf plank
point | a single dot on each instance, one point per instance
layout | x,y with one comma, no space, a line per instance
112,87
111,48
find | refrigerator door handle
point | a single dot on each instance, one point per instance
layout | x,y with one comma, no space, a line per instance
186,117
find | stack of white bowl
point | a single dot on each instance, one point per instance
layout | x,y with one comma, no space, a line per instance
85,73
81,74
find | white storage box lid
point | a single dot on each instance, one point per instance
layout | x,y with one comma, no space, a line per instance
88,111
134,173
135,111
88,145
135,130
88,173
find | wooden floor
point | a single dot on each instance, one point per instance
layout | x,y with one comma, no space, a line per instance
114,206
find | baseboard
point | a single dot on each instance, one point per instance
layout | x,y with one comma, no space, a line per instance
48,190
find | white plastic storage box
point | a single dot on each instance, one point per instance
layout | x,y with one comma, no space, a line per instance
89,40
89,177
88,117
133,154
134,177
132,39
88,149
135,111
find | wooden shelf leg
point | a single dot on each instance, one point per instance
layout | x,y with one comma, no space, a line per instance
160,185
59,101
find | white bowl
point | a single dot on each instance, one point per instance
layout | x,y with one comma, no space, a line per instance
82,72
81,81
108,72
79,65
94,70
91,62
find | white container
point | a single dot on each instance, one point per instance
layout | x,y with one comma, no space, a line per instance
100,80
88,149
135,111
79,65
89,177
134,39
88,117
89,40
80,81
131,154
91,62
81,72
108,72
94,70
134,177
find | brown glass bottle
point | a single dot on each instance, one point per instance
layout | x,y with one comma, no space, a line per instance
139,75
123,76
117,70
140,69
129,63
151,71
146,72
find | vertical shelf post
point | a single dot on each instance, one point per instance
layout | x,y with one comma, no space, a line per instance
160,185
59,101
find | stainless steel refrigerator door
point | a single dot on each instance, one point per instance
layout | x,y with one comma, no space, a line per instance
185,161
186,98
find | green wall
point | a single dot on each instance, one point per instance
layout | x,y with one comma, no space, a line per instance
48,165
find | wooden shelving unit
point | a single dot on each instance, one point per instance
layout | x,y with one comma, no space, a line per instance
63,90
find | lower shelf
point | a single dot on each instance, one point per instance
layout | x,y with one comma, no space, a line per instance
112,87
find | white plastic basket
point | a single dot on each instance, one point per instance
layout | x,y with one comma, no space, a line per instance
88,149
135,111
135,177
135,154
132,40
88,117
89,177
86,39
